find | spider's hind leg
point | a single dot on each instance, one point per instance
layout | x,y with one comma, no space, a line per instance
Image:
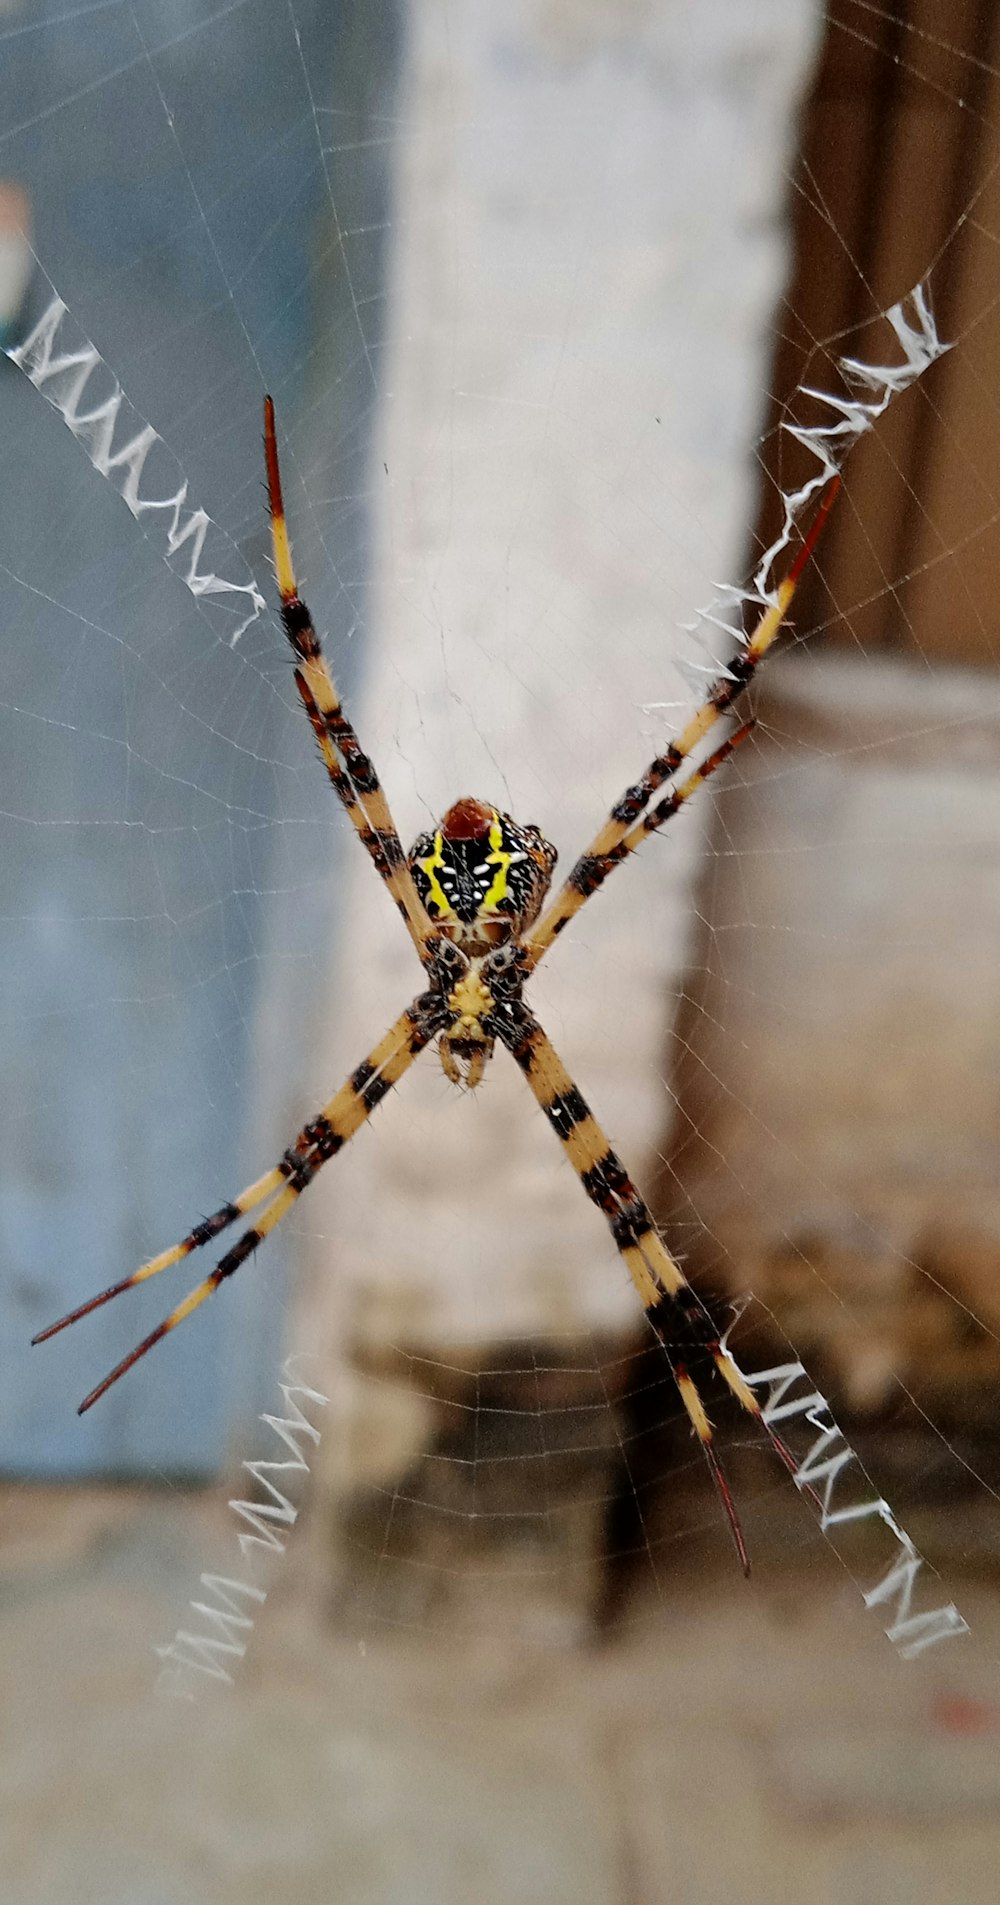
682,1324
317,1142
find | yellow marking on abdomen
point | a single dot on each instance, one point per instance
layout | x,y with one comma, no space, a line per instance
497,889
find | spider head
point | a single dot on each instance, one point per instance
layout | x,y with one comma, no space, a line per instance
481,876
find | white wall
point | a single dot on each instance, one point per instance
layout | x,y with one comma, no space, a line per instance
589,252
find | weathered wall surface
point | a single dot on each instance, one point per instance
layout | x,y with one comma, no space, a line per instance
589,249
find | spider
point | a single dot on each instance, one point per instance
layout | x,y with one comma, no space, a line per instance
471,893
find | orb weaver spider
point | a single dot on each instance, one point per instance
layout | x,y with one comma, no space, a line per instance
471,893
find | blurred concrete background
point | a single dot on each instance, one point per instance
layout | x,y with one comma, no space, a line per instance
521,285
728,1740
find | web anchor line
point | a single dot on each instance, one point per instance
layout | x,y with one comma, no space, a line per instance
69,371
868,391
820,1459
224,1623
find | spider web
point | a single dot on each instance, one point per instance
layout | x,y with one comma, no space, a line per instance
522,377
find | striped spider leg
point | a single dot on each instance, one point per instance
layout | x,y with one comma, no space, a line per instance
357,785
278,1189
623,830
682,1324
680,1321
351,771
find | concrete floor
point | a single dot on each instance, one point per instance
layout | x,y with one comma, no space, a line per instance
728,1743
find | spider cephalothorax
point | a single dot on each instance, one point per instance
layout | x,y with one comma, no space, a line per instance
470,894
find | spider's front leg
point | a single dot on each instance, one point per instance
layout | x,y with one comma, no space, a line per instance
623,830
351,771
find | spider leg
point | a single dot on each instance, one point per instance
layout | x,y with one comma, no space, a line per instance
202,1233
351,771
607,848
682,1324
594,871
320,1139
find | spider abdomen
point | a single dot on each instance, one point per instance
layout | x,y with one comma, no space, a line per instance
481,876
